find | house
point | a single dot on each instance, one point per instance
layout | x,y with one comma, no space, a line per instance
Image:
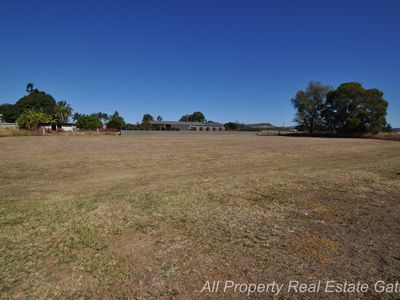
188,126
68,127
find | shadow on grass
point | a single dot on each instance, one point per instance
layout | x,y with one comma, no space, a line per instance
379,136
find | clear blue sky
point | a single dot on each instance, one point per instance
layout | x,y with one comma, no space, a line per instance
232,60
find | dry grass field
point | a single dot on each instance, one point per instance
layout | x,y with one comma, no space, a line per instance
138,217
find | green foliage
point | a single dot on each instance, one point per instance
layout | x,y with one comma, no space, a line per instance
36,100
194,117
96,120
353,109
347,110
309,105
234,126
103,117
116,121
159,118
29,87
146,121
10,112
62,111
87,121
184,118
147,118
31,119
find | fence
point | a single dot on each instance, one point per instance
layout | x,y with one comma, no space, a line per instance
8,125
182,132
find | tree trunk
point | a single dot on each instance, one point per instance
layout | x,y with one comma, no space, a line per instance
311,128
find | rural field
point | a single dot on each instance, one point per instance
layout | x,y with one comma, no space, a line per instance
150,217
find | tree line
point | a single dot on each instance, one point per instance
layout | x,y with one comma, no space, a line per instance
39,107
348,109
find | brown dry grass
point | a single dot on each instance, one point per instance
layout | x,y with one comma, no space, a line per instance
10,132
7,132
394,136
132,217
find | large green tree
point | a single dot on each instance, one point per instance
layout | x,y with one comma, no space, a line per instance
146,121
116,121
309,105
234,126
147,118
197,116
36,100
352,109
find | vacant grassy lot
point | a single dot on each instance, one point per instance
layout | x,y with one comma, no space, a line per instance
132,217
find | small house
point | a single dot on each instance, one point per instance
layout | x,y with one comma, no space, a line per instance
68,127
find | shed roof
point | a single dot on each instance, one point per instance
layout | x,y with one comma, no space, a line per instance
215,124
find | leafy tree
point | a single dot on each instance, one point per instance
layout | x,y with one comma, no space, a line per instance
75,116
147,118
184,118
103,117
234,126
309,105
29,87
10,112
146,121
62,111
87,121
237,126
197,117
36,100
352,109
194,117
159,118
31,119
116,121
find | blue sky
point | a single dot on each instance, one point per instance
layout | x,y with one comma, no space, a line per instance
233,60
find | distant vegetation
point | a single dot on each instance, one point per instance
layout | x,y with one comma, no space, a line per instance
35,100
35,108
349,109
38,107
194,117
31,119
236,126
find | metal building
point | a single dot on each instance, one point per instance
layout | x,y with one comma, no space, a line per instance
188,126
